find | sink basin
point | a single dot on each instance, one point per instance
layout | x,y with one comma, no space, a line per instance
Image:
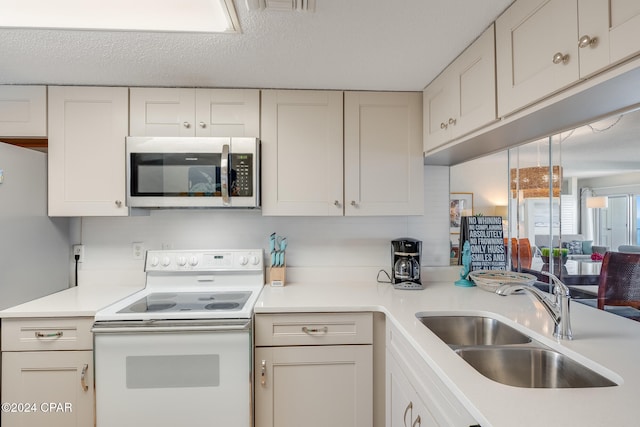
473,330
531,368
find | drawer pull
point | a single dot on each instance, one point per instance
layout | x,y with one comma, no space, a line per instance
53,335
313,331
263,373
83,376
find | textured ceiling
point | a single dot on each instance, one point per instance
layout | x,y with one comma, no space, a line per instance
345,44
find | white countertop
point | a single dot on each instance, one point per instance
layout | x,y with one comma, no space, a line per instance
604,342
80,301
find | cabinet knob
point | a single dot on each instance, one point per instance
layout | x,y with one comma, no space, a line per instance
202,125
186,125
586,41
443,125
354,204
118,203
560,58
336,203
452,121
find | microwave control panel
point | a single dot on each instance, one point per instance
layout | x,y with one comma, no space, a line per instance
242,174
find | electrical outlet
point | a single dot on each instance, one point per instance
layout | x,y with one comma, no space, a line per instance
138,250
78,250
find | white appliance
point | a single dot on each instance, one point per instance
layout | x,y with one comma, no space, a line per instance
179,351
29,237
173,172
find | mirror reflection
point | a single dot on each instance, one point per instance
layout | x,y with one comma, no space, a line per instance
566,199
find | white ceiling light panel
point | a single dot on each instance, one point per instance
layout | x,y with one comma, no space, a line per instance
217,16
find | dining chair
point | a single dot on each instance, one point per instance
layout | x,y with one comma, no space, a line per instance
619,282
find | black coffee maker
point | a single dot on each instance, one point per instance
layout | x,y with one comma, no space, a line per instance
405,263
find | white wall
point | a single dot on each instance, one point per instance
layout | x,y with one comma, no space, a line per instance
312,241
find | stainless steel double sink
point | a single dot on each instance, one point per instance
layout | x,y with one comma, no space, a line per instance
508,356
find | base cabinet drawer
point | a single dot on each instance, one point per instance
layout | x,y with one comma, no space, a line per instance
314,329
39,334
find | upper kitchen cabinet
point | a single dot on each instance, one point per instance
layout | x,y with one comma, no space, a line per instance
195,112
543,46
309,168
608,32
23,111
383,159
87,130
462,99
302,158
536,51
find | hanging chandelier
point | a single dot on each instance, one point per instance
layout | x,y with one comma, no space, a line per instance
534,181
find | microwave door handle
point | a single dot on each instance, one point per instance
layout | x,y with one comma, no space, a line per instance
224,175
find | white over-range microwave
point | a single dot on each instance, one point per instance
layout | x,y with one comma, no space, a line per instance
179,172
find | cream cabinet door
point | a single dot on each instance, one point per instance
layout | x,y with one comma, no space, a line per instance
228,112
47,388
463,98
529,34
23,111
404,406
162,112
439,104
614,25
87,130
383,158
302,158
314,386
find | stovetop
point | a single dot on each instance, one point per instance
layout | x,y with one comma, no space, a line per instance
193,284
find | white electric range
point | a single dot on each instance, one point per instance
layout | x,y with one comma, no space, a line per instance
179,350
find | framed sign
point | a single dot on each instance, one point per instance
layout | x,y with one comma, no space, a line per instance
460,204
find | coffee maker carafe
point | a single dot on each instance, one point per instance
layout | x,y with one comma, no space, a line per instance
405,263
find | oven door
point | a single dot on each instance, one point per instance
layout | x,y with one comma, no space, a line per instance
173,374
192,172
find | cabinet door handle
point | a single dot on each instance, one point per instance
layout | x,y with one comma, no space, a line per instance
202,125
51,335
263,373
443,125
83,377
406,410
186,125
336,203
118,203
452,121
560,58
417,422
312,331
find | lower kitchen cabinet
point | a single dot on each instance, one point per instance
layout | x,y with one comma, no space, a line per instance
47,373
326,383
416,397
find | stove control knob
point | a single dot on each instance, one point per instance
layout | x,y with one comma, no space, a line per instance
166,261
154,261
193,261
255,260
182,261
244,260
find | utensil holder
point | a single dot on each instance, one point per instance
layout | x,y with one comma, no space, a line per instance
277,275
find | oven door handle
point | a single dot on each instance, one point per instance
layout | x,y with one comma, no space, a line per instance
165,327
